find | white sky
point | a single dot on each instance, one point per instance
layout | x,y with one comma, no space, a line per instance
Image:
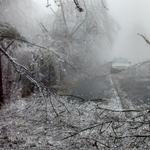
41,5
133,17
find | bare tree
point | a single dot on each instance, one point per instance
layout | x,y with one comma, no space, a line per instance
81,37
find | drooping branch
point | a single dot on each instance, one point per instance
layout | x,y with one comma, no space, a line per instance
39,46
78,26
62,10
80,9
78,6
146,40
104,5
19,68
23,70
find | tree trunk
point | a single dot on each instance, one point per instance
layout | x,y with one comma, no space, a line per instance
1,82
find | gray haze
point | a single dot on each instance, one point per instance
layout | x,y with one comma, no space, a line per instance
133,16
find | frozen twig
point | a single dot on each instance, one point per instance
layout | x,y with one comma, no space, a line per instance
78,6
104,5
146,40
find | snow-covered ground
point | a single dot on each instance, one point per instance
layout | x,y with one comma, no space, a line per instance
32,123
50,122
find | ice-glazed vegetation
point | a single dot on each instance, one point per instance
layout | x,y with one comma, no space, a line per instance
43,56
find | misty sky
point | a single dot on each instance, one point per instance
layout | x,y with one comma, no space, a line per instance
41,6
133,17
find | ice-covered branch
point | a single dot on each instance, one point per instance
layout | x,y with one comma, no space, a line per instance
146,40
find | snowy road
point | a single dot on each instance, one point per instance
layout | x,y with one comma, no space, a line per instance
116,97
121,97
121,92
97,88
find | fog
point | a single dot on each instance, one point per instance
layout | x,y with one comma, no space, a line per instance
56,80
133,16
41,6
